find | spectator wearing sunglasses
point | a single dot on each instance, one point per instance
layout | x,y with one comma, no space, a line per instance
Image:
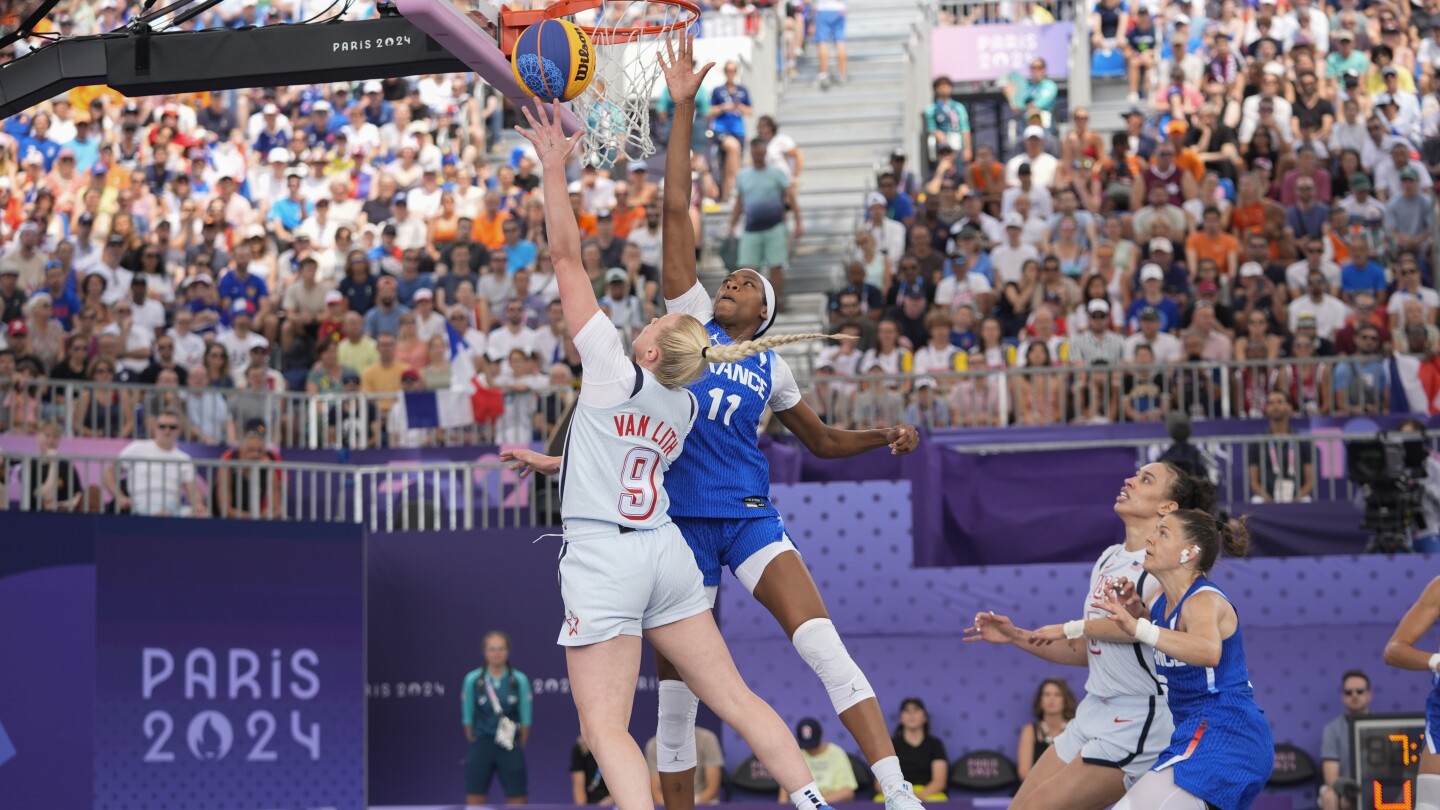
152,476
1335,760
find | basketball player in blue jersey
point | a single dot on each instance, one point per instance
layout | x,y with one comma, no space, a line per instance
625,571
1123,722
1221,753
1401,652
721,485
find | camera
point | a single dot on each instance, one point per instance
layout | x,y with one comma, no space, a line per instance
1388,470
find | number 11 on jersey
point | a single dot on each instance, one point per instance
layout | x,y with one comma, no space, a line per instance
716,395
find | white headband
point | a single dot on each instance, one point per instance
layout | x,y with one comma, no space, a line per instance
769,305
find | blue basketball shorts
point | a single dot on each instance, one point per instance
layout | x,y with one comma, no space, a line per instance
829,26
744,545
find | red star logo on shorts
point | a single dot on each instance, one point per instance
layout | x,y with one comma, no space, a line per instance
573,622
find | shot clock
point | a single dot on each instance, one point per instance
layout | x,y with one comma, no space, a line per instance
1386,748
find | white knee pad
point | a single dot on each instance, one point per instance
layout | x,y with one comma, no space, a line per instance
821,647
675,738
1427,792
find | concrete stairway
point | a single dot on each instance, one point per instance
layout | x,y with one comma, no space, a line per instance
846,133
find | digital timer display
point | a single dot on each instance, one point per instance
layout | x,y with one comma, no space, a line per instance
1386,750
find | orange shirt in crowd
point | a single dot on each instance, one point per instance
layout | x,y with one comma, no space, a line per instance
1189,160
629,219
1342,250
983,182
1247,218
489,232
587,222
1217,249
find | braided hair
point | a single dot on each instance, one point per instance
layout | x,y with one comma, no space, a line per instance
685,351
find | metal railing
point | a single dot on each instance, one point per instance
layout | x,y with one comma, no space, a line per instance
354,420
1229,458
1103,394
431,496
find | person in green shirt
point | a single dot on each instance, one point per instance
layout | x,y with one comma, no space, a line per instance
1345,58
494,695
1035,94
829,764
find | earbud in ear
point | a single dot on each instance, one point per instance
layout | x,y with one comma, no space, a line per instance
1184,556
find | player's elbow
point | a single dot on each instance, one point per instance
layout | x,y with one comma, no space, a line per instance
1394,650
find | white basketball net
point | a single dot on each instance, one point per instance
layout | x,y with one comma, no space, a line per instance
614,111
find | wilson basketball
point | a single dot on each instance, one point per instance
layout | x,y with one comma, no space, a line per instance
553,59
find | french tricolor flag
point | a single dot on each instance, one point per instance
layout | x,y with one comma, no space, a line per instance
466,402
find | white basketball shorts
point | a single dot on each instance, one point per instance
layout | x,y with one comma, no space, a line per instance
616,583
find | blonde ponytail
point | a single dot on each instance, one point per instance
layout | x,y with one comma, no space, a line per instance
686,353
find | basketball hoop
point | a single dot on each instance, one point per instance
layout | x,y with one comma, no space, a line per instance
614,111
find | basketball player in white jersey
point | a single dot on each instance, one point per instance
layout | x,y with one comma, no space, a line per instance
1123,723
625,571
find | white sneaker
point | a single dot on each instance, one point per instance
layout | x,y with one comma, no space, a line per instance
1133,98
903,799
823,81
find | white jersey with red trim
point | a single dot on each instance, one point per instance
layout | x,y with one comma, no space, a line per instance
1118,670
618,447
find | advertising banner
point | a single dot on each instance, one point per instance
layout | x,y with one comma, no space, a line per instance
984,53
225,660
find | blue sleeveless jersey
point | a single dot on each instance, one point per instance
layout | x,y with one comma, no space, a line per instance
1432,717
722,473
1222,750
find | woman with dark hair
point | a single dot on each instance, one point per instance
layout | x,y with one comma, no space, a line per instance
1090,763
923,759
217,366
1221,753
1054,708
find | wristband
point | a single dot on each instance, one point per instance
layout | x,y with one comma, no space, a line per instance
1435,663
1147,633
1076,629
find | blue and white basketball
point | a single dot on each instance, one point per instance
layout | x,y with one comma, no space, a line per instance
553,59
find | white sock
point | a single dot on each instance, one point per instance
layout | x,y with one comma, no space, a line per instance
1427,793
887,772
807,798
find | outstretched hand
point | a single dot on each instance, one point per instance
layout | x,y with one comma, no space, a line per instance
525,462
547,133
678,65
992,627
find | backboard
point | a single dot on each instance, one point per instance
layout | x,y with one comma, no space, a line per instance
468,30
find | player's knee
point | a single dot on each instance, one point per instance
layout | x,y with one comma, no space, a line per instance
1427,793
819,644
675,737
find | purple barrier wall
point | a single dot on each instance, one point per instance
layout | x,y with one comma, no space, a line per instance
1306,621
146,664
432,597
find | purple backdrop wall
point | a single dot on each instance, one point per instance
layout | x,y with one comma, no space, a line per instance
1306,621
158,665
432,597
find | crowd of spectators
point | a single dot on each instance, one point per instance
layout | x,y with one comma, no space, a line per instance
1264,220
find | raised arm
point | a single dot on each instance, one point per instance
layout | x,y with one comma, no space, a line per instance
577,296
677,270
1401,650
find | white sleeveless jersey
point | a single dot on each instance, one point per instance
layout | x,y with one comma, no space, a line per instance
1118,670
616,457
